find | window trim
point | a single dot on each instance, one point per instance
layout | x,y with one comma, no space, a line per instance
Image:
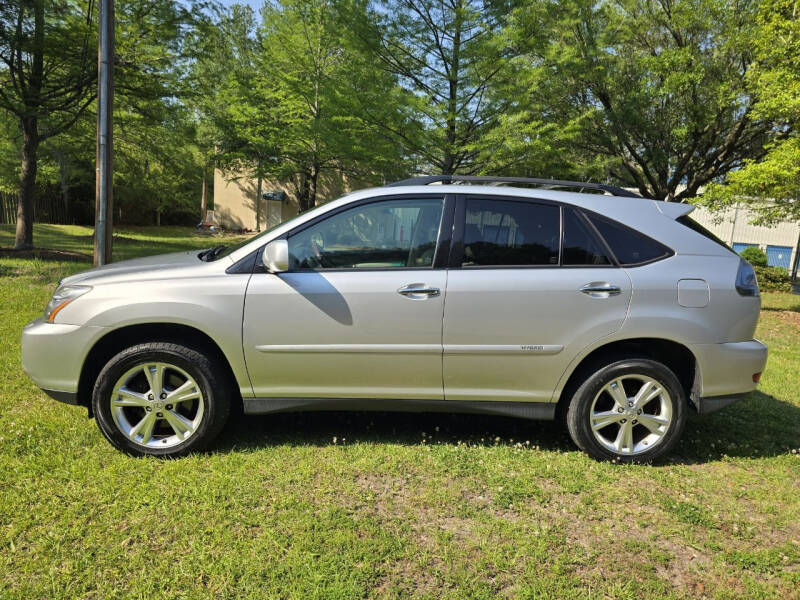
442,244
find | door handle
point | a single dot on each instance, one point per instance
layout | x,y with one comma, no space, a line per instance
420,290
601,289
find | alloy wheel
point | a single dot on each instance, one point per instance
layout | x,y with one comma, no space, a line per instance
631,414
157,405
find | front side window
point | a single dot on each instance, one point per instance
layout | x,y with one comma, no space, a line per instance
509,233
385,234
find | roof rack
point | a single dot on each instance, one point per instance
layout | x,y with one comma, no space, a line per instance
546,183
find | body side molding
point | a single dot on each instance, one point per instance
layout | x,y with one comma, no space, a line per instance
523,410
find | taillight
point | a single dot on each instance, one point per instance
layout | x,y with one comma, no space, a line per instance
746,283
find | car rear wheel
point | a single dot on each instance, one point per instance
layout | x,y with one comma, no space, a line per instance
161,399
631,410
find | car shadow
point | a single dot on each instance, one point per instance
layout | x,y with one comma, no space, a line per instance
315,288
758,426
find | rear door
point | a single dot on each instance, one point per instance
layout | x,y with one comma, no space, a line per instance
523,299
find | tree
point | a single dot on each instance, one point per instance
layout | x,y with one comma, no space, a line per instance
648,93
320,84
292,95
446,59
775,82
46,76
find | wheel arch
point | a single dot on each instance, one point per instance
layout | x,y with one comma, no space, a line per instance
117,340
676,356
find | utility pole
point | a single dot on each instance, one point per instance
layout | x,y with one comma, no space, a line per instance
104,198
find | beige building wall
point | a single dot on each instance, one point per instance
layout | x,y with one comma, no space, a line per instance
235,199
733,226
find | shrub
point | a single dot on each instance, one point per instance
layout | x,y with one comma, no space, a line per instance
755,256
773,279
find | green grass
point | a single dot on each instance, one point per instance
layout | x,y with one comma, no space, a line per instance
389,506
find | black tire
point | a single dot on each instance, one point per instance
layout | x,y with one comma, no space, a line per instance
210,377
578,417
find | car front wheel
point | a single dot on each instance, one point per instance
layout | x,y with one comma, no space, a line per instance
631,410
161,399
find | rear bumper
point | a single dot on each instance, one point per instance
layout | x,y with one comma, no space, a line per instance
727,369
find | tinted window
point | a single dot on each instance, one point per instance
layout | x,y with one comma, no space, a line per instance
629,246
392,233
499,232
581,246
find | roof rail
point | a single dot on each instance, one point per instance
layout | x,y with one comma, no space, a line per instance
546,183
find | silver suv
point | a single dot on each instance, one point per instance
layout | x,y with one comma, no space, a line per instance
614,314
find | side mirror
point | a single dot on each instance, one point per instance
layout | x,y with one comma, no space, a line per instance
276,256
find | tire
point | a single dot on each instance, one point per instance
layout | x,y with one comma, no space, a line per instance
655,425
186,415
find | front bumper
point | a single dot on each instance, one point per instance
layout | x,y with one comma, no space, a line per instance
53,355
727,370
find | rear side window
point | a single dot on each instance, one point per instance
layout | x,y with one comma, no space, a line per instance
508,233
630,247
580,244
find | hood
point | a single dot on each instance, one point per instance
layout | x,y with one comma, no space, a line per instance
148,267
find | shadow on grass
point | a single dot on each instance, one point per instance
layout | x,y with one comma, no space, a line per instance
794,307
759,426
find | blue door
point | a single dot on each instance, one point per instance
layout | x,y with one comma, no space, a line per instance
739,246
779,256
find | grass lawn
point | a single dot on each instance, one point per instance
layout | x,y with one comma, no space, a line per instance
389,506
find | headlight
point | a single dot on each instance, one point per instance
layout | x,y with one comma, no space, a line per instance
63,296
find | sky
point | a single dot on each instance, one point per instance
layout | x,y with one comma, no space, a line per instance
254,4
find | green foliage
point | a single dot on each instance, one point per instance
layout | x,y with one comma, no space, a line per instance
773,279
775,82
649,94
296,98
755,256
446,57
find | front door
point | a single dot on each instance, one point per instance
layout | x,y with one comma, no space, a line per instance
359,314
520,302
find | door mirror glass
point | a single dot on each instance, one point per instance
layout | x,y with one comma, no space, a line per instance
276,256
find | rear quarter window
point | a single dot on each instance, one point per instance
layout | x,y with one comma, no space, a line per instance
630,247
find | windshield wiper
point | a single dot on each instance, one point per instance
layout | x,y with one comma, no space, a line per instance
211,254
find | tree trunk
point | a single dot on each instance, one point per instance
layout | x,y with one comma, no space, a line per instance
258,199
27,189
312,192
204,196
449,166
304,197
63,178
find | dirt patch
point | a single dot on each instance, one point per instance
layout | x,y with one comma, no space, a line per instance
788,316
45,254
